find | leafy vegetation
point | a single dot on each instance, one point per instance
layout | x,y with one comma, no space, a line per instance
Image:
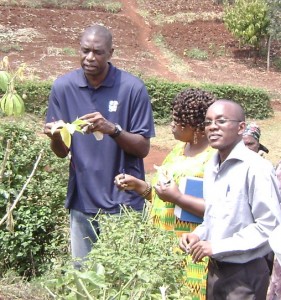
256,102
37,241
37,228
274,15
11,103
131,260
248,21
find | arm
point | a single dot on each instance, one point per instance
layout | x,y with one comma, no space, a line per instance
171,193
134,144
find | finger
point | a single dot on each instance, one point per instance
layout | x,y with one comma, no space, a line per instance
89,116
195,255
198,253
194,248
184,244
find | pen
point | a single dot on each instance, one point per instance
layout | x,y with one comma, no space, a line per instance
227,190
123,173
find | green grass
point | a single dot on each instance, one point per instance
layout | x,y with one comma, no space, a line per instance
176,64
61,51
109,6
196,53
184,17
12,47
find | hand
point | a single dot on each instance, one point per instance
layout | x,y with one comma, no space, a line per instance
48,130
200,249
96,122
168,192
130,183
187,240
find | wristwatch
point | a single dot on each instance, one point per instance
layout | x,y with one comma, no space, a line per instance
117,131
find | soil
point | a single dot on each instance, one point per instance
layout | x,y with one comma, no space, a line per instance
47,40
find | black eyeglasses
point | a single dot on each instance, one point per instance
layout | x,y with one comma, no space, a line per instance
218,122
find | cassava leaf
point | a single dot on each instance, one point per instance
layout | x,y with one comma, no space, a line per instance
66,136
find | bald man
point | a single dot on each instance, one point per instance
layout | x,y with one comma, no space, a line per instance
242,209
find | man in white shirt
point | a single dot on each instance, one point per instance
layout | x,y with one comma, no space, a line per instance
242,209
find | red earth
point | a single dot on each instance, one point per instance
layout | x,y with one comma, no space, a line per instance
47,40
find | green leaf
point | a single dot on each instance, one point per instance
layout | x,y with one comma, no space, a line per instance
66,136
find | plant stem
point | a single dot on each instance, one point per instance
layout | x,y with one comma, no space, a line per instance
23,188
6,156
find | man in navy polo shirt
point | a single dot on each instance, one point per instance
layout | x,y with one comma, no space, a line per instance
116,105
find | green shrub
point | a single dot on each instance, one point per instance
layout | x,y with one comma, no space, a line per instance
40,220
37,95
256,102
162,93
131,260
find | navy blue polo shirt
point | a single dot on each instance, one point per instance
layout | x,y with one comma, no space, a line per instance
122,98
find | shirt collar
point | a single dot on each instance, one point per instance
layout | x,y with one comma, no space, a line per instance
108,81
237,153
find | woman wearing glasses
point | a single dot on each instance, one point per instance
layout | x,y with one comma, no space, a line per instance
187,159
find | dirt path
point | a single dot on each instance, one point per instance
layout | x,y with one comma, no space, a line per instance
129,10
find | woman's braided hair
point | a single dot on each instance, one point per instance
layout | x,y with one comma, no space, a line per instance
190,107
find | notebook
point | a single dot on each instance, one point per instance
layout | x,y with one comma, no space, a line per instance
191,186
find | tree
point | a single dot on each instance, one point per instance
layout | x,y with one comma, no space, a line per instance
274,31
248,21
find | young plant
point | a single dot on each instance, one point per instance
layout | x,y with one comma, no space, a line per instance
132,260
11,102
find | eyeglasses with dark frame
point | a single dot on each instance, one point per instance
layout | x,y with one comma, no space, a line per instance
218,122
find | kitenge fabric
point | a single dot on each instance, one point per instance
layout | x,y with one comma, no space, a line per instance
176,165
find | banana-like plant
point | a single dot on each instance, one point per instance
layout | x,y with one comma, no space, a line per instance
11,103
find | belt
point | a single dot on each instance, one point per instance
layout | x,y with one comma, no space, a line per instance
222,264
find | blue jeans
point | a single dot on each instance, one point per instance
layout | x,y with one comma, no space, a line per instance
83,230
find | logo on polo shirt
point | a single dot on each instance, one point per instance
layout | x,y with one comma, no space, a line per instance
112,106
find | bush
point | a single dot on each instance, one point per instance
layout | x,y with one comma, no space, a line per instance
39,219
256,102
131,260
37,95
